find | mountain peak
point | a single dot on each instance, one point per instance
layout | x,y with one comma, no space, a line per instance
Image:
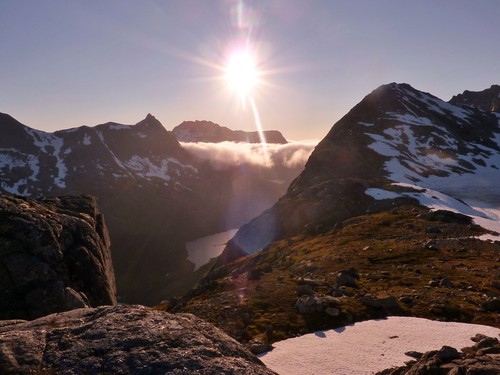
150,121
487,100
207,131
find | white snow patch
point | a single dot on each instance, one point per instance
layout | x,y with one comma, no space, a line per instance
86,140
365,123
367,347
485,216
11,158
145,168
436,104
202,250
118,127
380,194
431,159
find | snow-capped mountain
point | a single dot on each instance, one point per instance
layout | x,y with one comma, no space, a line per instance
64,161
154,194
207,131
398,141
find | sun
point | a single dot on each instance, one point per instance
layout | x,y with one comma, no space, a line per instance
241,73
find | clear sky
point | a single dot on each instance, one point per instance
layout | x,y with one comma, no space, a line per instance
67,63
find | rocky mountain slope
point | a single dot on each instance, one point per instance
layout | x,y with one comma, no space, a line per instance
54,256
487,100
121,340
207,131
370,228
395,135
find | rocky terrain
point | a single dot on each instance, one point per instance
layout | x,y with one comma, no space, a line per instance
403,261
121,340
487,100
370,228
54,256
483,358
207,131
395,135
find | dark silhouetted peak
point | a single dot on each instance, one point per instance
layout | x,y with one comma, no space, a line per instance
11,131
487,100
8,119
207,131
150,121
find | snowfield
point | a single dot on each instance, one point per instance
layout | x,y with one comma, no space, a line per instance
367,347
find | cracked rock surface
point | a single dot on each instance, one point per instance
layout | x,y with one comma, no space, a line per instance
124,339
54,256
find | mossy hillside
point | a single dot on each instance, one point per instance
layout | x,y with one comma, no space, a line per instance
407,264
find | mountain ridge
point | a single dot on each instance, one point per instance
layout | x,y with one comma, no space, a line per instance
488,99
207,131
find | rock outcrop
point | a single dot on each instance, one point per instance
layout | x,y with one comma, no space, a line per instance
121,340
488,100
483,358
207,131
54,256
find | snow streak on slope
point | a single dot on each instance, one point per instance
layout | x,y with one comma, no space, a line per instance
52,145
488,218
11,159
145,168
441,147
368,347
429,156
423,146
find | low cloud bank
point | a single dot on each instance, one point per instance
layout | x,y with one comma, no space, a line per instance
228,154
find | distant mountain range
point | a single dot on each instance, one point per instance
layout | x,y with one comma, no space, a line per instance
207,131
154,194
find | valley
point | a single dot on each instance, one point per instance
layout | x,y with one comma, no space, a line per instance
395,213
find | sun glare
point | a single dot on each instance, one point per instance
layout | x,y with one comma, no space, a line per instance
241,73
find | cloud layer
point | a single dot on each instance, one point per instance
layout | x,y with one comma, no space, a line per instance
229,154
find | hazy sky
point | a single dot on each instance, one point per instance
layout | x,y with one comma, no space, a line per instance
67,63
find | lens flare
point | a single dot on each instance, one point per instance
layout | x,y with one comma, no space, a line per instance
241,73
260,130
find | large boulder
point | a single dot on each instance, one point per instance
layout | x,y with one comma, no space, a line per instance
124,339
54,256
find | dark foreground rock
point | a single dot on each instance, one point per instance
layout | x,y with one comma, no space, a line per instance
481,359
126,339
54,256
